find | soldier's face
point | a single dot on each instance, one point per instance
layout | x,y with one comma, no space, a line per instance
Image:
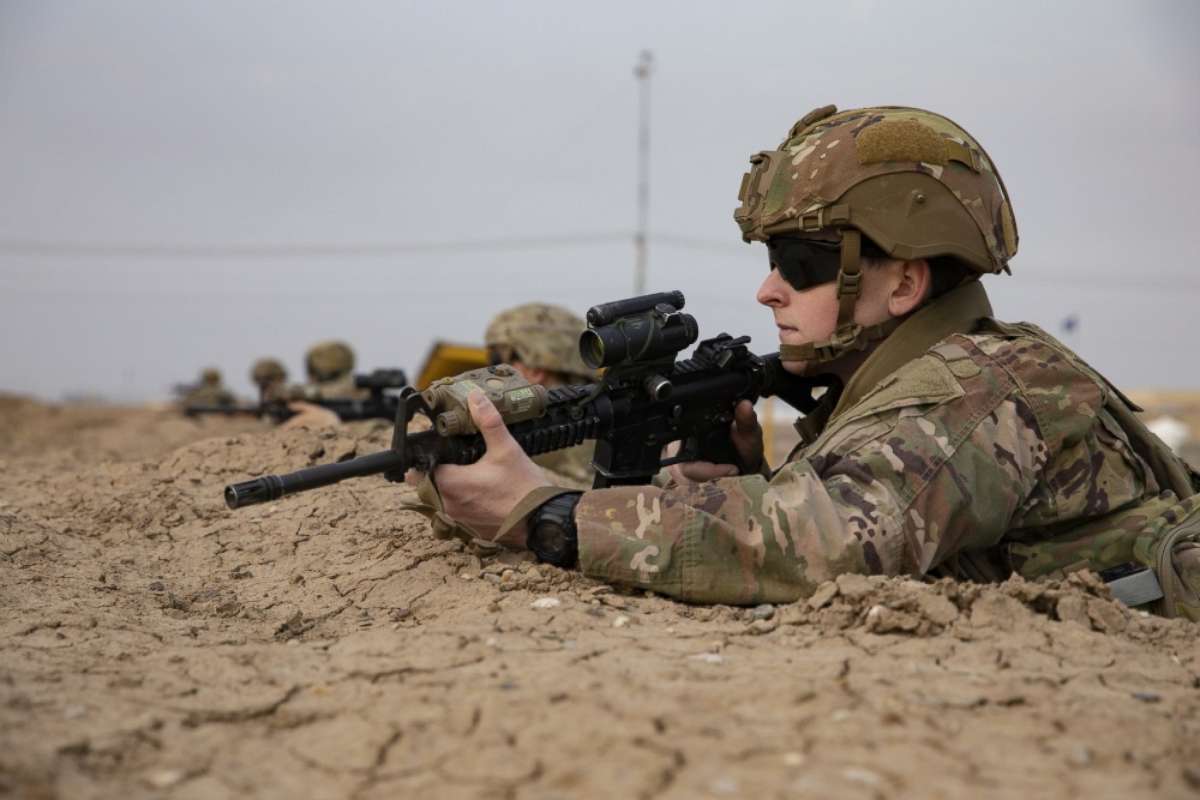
810,314
801,317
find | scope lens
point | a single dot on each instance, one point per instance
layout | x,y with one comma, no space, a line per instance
591,349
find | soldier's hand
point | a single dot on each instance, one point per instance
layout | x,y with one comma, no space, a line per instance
480,495
747,440
309,415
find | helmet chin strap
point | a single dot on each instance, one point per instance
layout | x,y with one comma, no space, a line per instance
849,336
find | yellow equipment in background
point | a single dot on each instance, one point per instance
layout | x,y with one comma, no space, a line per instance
446,359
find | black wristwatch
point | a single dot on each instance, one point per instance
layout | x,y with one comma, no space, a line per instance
552,535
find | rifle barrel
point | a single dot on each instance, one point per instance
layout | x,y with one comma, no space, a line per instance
273,487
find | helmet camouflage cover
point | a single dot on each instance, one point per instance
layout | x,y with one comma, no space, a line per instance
210,376
912,182
541,336
267,370
328,360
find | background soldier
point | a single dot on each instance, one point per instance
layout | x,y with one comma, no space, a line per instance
209,391
541,341
270,376
960,445
330,368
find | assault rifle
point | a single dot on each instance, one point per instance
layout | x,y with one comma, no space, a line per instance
380,404
645,400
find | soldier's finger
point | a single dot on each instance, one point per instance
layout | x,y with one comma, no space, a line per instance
699,471
744,417
490,423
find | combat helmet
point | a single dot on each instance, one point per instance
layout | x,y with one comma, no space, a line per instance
267,371
912,183
326,361
210,376
541,336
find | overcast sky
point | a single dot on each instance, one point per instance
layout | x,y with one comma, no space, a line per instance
193,183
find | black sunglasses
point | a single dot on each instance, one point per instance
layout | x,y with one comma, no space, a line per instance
805,263
501,354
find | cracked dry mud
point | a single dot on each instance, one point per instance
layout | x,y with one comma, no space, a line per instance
155,644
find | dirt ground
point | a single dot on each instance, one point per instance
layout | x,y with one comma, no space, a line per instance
155,644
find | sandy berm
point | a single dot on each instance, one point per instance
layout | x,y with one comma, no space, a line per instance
155,644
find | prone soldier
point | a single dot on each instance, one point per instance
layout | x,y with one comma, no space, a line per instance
330,368
955,444
270,376
330,371
209,391
541,342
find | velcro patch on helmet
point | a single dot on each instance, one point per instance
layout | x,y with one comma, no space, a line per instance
900,140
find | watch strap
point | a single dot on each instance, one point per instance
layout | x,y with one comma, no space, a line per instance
553,537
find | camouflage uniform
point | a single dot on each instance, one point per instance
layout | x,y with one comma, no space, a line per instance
960,462
546,337
960,446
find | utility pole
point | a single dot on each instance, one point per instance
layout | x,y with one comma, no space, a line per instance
642,73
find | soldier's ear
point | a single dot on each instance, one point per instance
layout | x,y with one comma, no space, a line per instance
912,285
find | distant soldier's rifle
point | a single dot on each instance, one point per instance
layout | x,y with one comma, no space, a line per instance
645,400
380,404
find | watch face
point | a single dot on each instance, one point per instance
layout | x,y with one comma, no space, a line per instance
548,541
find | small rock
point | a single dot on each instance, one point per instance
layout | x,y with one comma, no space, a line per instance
708,658
157,586
1080,756
936,608
853,586
794,759
74,712
724,786
761,626
163,778
1191,776
621,621
613,600
1073,608
1147,697
1106,616
765,611
860,775
823,595
546,602
881,619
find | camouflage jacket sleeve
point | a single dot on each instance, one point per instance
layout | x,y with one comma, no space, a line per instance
938,458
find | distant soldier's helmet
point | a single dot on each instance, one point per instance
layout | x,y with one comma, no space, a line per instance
267,371
540,336
326,361
907,182
210,376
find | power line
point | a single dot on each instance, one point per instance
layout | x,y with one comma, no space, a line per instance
1027,275
52,249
